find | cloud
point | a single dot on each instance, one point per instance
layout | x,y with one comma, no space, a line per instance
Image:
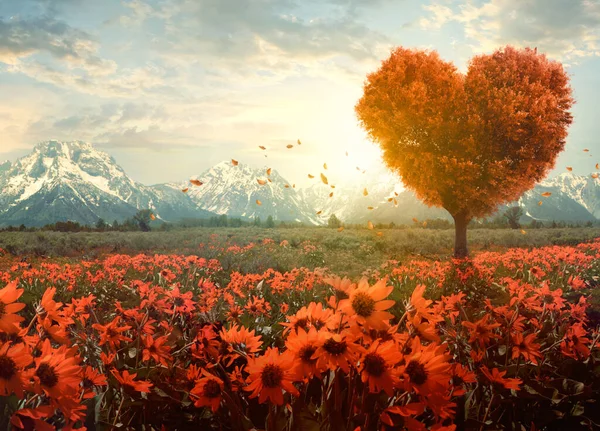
274,35
21,38
440,16
566,30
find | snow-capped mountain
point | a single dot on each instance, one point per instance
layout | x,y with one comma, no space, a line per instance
585,190
234,190
574,198
386,199
61,181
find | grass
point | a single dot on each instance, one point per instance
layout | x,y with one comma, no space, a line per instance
350,252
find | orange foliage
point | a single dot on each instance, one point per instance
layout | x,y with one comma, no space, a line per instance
468,143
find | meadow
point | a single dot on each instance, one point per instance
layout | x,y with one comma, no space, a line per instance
349,252
300,329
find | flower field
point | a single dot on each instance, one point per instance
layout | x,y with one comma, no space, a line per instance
506,340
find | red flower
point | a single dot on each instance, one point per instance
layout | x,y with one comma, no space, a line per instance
156,349
207,391
526,347
497,377
129,383
481,331
112,333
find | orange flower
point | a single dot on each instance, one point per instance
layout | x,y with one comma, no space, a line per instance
28,419
270,375
92,378
497,378
551,299
481,331
460,376
421,306
427,369
240,340
574,343
338,350
207,391
9,322
156,349
205,343
129,383
57,372
377,367
111,333
13,359
341,285
366,304
526,347
303,345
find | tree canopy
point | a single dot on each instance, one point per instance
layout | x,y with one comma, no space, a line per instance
468,142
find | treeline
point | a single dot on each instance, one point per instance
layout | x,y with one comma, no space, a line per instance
143,221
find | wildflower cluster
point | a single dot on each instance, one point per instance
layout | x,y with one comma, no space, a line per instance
176,342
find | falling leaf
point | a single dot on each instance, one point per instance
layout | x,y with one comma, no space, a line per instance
523,232
546,194
324,165
370,225
396,194
196,182
357,168
310,176
152,217
346,153
299,143
261,182
294,186
341,228
319,212
569,168
287,186
370,208
585,150
331,194
379,233
597,165
262,148
234,162
324,179
425,223
185,190
390,199
258,202
269,171
540,203
364,171
415,220
395,202
365,192
289,146
594,175
332,186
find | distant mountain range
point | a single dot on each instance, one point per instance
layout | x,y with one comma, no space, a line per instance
60,181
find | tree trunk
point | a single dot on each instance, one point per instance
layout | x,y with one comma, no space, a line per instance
460,235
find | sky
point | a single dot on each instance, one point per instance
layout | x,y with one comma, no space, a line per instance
171,87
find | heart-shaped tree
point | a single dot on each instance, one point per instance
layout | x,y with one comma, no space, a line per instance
468,143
